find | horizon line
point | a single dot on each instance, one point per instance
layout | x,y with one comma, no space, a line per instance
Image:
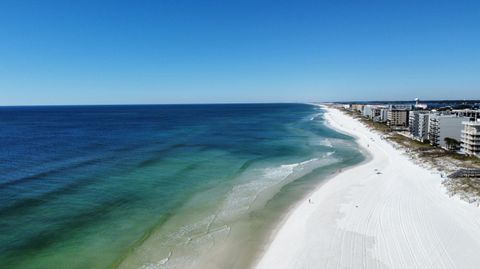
241,103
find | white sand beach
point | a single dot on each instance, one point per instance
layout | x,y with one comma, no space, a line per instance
385,213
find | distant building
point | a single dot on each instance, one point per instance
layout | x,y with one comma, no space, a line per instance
397,118
421,106
424,126
374,112
443,126
471,138
418,124
418,105
401,106
413,123
368,111
358,107
474,114
381,114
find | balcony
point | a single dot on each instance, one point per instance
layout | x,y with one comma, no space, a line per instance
470,132
471,139
470,148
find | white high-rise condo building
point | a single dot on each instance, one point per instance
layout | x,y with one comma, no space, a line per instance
471,138
374,112
418,125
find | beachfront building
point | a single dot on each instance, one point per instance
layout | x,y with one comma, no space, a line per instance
383,115
471,138
445,126
368,111
413,123
397,118
358,108
374,112
418,125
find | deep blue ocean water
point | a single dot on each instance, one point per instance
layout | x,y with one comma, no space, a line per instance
155,186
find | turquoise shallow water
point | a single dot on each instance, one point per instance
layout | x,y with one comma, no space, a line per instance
187,186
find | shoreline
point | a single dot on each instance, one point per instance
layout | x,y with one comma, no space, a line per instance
284,217
276,227
242,240
385,218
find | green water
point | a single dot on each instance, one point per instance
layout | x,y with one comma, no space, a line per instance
157,186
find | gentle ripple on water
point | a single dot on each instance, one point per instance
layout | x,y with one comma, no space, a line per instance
155,186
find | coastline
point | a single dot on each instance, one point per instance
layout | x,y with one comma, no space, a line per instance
385,212
239,241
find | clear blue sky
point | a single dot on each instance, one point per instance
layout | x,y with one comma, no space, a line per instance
174,51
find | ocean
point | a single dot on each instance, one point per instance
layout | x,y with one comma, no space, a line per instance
157,186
